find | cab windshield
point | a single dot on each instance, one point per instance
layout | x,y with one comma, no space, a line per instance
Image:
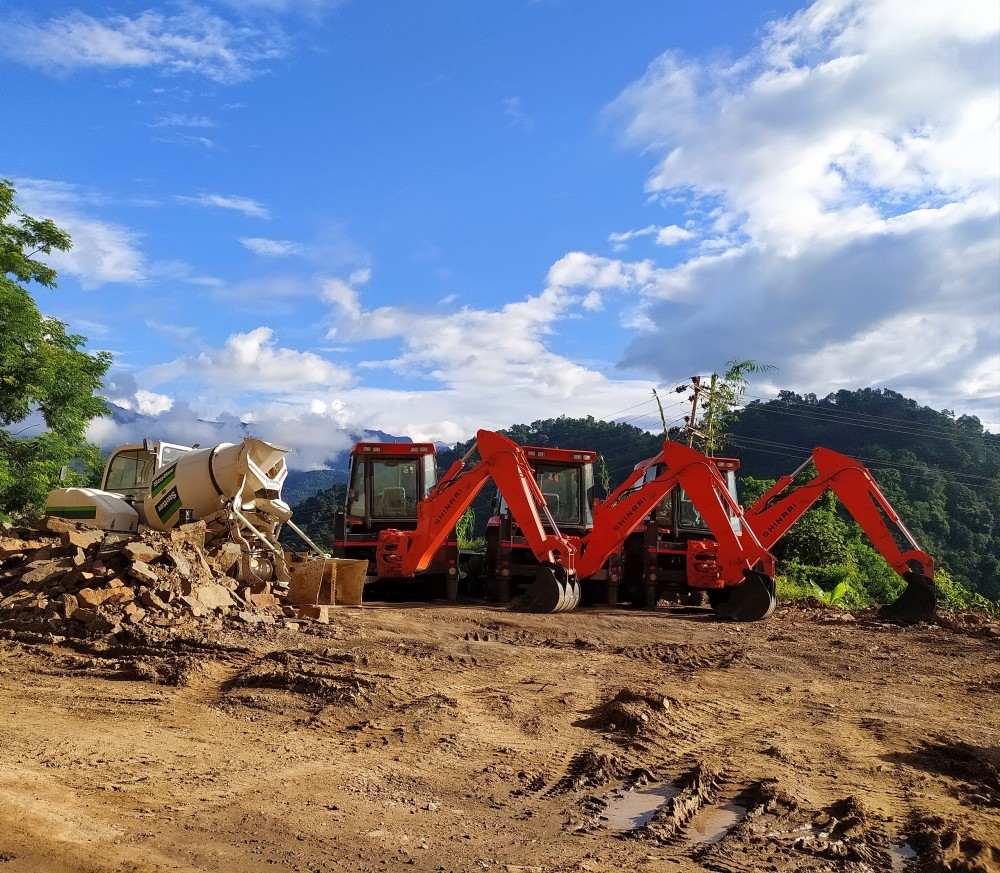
394,488
563,489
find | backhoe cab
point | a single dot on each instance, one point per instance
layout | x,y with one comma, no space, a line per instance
409,545
386,482
785,503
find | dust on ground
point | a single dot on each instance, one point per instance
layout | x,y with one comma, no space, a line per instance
233,735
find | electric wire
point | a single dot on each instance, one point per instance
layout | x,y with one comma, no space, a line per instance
861,419
787,450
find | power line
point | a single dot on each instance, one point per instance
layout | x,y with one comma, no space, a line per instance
775,448
626,409
877,421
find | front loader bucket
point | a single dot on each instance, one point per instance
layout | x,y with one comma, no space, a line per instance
917,602
754,600
551,591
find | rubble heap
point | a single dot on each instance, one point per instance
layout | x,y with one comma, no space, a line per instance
65,578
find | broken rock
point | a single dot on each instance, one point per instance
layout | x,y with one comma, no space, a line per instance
144,573
141,552
82,538
214,596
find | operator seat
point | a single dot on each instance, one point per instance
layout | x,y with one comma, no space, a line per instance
392,502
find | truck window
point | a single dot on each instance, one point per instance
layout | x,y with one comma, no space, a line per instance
430,473
129,472
689,515
356,494
663,515
169,454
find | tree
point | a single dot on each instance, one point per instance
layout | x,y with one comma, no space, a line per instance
44,371
718,404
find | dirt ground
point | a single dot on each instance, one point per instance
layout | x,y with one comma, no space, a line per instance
465,738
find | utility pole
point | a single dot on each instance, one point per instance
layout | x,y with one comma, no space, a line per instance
692,419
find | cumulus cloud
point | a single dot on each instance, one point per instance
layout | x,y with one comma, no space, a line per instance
458,371
193,41
842,182
252,362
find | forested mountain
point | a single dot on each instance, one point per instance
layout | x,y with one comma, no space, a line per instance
941,473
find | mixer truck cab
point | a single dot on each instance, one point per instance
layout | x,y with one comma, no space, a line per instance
131,469
234,488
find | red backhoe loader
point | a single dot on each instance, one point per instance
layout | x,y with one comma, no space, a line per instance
716,552
565,478
387,481
783,504
405,553
720,556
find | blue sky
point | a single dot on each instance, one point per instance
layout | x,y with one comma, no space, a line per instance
427,218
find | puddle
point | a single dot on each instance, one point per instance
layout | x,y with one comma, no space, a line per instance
628,810
712,823
901,853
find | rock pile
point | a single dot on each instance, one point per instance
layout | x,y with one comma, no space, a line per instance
65,578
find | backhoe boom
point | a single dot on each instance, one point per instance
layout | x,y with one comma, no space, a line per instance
626,508
776,511
405,553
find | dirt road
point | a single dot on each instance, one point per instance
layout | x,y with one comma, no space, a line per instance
469,738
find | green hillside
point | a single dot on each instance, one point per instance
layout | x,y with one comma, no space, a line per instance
941,473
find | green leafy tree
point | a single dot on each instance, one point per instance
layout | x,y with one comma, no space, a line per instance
43,369
819,537
717,406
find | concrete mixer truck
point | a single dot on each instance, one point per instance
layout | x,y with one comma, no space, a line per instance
234,488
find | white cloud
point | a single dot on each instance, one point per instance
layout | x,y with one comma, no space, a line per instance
102,251
249,207
193,41
663,236
251,362
843,182
271,248
513,109
481,368
176,119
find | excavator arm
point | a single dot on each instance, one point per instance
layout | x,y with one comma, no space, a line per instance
625,509
784,504
406,553
735,565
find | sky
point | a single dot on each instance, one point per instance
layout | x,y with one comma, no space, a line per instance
308,218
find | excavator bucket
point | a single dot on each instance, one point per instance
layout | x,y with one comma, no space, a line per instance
550,591
753,600
916,603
